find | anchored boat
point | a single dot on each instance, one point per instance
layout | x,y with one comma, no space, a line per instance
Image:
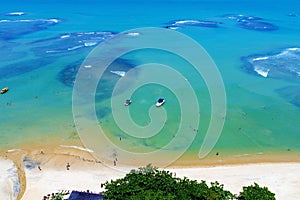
4,90
160,102
127,102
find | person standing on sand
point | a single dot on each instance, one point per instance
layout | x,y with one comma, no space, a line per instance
68,166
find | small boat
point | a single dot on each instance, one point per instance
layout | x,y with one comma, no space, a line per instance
160,102
4,90
127,102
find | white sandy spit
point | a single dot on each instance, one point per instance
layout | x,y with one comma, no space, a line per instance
9,181
282,179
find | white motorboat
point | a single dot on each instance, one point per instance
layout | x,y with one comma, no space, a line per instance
160,102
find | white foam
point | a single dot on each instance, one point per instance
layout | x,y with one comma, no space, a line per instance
186,21
15,13
262,72
119,73
134,34
232,17
293,49
52,51
283,53
78,147
104,33
64,36
30,20
89,44
87,66
173,27
89,33
24,20
76,47
12,150
54,20
261,58
259,153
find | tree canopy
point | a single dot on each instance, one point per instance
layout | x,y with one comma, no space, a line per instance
256,192
150,183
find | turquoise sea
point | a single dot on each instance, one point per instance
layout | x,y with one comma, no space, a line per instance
253,43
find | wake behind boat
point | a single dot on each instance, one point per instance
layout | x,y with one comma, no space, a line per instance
160,102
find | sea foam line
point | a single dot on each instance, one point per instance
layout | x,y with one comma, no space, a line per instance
262,72
261,58
30,20
77,147
12,150
119,73
14,14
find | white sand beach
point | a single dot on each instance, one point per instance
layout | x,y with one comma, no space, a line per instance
9,182
46,173
282,179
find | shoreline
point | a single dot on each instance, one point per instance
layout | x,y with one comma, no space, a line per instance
54,145
77,150
36,165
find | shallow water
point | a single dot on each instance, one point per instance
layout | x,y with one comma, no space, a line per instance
39,63
10,186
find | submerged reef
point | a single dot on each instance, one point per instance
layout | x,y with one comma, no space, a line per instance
242,21
240,17
68,74
251,22
284,64
191,22
8,51
257,25
22,67
69,42
47,51
291,94
12,29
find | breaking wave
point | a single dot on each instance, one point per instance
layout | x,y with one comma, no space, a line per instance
251,22
284,64
69,42
192,22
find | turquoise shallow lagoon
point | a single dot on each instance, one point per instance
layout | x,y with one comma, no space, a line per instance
41,52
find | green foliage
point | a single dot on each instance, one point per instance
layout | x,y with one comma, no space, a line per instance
56,196
256,192
144,170
150,183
